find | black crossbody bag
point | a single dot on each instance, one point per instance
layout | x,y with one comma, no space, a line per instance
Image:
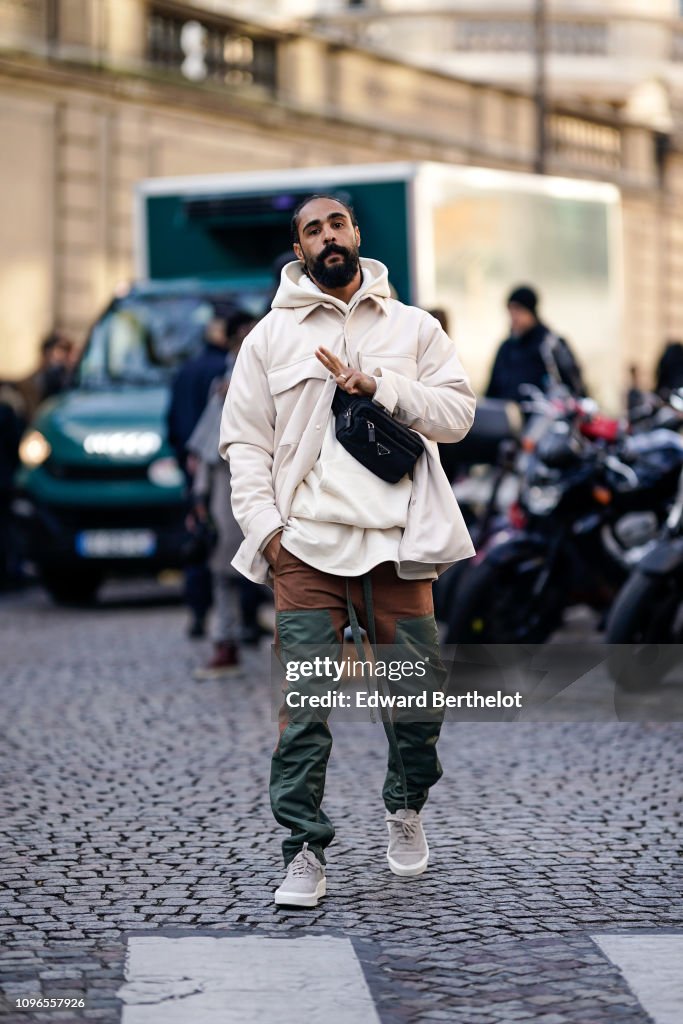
373,437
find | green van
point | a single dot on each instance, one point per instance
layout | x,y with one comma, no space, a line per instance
99,491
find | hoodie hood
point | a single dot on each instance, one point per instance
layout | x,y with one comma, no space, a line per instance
297,291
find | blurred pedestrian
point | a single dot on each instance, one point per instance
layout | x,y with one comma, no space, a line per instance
12,423
669,372
442,316
212,504
189,396
192,383
532,353
53,373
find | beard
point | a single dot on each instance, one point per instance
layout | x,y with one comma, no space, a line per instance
338,275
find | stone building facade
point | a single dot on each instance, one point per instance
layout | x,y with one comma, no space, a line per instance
96,94
624,55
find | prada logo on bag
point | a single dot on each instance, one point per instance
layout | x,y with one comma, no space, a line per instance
381,450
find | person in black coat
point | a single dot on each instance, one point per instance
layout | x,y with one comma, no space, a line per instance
189,395
12,424
190,390
532,354
669,372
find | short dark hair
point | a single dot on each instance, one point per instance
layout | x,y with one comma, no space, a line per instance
318,195
238,319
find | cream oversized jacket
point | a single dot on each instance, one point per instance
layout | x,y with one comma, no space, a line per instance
278,406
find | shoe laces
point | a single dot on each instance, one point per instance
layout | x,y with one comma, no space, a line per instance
407,827
304,863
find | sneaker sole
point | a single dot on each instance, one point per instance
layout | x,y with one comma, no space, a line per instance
298,899
202,674
409,870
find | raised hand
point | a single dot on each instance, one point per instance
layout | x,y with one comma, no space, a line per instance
352,381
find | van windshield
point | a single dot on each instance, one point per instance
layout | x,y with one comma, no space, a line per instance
142,340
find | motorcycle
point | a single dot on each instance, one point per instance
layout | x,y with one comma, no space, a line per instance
481,503
482,474
591,502
648,611
490,487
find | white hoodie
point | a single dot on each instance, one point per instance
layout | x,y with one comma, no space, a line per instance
345,519
278,409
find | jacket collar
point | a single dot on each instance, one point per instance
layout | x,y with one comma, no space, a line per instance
298,293
301,312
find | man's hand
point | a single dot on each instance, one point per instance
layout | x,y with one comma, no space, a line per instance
272,549
353,381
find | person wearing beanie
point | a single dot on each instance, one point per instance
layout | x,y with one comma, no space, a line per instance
532,354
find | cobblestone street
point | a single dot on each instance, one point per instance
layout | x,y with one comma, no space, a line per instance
135,804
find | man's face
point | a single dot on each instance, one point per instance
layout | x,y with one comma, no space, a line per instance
328,243
521,319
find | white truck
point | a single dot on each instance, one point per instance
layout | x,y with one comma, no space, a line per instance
454,238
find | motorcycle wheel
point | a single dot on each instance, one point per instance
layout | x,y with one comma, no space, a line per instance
644,617
446,587
495,604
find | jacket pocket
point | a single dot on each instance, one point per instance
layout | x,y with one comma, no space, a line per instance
282,378
405,365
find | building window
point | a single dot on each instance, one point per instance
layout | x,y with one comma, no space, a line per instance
516,35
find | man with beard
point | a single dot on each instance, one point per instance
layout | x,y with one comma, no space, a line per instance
336,540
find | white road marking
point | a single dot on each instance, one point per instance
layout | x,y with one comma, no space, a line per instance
653,968
244,980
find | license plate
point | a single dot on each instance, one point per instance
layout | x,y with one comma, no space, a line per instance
116,543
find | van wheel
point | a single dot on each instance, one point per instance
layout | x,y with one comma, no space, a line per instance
72,588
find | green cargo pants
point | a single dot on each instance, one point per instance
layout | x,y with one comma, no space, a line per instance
311,609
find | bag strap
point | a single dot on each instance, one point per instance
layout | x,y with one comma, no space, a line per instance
548,349
385,712
369,609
